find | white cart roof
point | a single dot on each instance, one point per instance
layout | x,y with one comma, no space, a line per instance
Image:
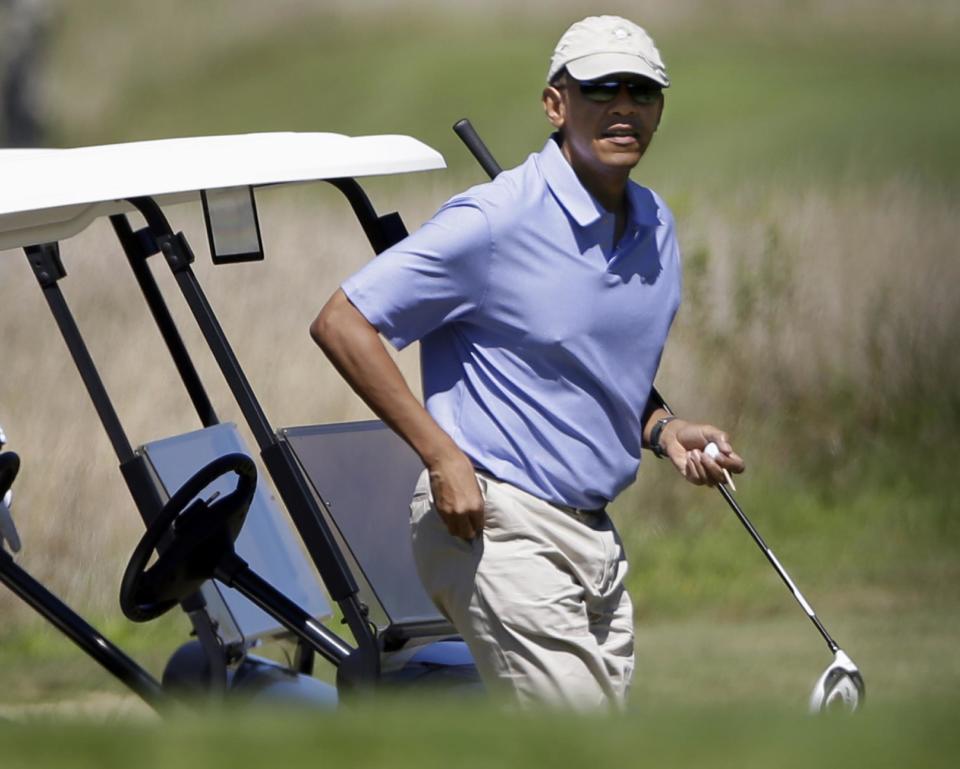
52,194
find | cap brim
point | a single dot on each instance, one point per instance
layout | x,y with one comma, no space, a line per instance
602,64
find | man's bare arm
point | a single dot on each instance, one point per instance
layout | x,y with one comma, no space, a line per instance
354,347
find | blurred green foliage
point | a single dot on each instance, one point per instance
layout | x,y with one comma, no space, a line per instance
437,732
802,102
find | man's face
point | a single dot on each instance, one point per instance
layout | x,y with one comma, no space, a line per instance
604,136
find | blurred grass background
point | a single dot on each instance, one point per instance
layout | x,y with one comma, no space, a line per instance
467,734
809,153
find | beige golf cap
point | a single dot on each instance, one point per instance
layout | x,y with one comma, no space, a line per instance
603,45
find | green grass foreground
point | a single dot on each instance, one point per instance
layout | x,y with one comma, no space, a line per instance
905,648
426,734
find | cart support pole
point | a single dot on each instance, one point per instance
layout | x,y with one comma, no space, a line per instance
46,264
82,634
137,256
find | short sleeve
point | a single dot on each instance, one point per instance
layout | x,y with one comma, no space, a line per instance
435,276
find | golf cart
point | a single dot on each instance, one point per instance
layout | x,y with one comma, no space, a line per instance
354,532
226,554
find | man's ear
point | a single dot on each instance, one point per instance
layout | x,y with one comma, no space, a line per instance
554,107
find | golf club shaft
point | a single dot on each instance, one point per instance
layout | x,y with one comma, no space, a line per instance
725,493
468,134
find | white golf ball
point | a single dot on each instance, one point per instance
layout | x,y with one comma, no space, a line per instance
712,450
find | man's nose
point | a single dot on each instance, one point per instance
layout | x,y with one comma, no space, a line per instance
623,102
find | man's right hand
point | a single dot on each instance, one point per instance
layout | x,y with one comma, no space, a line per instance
354,347
456,494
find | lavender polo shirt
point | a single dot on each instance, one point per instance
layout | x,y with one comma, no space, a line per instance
540,336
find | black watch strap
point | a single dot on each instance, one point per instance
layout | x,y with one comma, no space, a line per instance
655,446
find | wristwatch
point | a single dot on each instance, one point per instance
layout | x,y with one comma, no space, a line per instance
655,446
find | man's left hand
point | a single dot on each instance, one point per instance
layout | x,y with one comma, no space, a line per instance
684,442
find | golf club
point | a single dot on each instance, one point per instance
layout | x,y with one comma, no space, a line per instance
841,683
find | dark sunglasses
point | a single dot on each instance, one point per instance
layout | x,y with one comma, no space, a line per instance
606,90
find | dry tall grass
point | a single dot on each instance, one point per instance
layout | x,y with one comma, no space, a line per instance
794,295
787,294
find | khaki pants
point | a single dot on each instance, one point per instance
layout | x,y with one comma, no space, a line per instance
539,598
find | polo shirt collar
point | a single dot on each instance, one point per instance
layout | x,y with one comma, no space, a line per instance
577,201
566,187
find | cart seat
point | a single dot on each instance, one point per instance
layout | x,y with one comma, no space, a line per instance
267,541
364,475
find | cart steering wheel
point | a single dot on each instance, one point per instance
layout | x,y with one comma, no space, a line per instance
197,536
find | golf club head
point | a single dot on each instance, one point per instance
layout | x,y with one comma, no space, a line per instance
840,686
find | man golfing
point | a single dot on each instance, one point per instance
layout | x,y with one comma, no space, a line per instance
542,302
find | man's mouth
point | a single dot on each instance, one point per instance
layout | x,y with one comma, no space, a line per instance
621,135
